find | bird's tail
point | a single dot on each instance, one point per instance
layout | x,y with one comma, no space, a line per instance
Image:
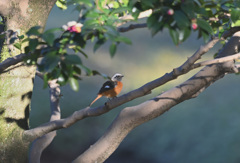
99,96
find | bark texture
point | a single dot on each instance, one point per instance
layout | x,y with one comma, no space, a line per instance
16,82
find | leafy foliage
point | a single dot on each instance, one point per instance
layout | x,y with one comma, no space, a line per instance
181,17
99,22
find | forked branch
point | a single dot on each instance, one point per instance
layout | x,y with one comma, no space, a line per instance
131,117
89,112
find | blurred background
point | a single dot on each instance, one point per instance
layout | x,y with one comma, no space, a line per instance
204,129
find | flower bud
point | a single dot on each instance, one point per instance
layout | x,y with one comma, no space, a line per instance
194,26
170,12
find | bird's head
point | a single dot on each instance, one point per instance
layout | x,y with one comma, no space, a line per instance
117,77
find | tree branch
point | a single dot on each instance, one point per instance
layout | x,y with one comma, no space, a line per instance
12,61
216,61
143,14
202,50
89,112
131,27
39,74
41,143
131,117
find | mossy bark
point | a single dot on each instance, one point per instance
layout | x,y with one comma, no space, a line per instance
16,83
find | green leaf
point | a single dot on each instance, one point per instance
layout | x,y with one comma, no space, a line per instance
205,36
111,30
64,41
21,37
184,34
87,70
77,70
156,28
49,38
235,15
236,3
112,49
174,35
152,20
181,19
95,72
99,43
119,10
83,53
25,40
61,4
205,26
148,4
18,45
45,80
124,40
63,78
73,59
56,73
79,40
79,49
33,43
237,23
50,61
74,84
52,30
188,8
34,31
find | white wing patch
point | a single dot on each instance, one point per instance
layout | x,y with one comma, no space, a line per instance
107,86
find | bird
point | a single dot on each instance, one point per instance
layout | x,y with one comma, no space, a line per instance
110,88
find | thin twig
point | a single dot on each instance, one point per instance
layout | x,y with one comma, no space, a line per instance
143,14
132,26
216,61
39,74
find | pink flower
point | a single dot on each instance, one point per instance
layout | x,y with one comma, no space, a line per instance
170,12
73,27
194,26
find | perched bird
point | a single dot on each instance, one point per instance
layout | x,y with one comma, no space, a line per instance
111,88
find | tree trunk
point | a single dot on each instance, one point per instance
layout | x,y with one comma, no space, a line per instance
16,83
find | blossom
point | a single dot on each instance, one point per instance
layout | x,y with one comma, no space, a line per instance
170,12
72,27
194,26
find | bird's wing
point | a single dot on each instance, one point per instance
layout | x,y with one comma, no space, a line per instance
107,86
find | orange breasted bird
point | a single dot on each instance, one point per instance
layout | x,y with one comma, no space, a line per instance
110,88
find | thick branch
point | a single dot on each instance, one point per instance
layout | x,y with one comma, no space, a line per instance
12,61
41,143
131,117
89,112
